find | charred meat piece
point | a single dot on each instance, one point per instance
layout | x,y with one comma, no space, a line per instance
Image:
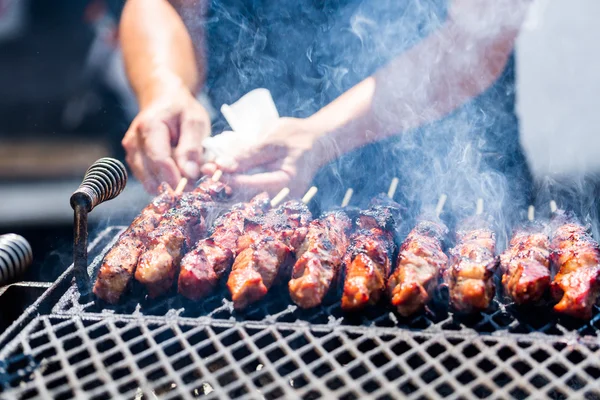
420,263
319,259
289,222
368,265
526,265
469,275
178,231
119,264
255,270
211,258
368,258
275,237
576,257
379,217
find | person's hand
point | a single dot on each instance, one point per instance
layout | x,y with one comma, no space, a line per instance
287,156
164,141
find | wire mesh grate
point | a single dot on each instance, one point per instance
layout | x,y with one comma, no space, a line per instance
114,356
174,349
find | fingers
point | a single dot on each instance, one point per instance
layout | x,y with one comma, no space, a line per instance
271,182
148,153
243,155
165,140
258,156
209,168
156,143
136,160
194,127
142,163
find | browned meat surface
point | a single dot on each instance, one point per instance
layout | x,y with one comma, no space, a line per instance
319,259
252,232
368,258
178,231
276,235
576,257
526,265
211,258
255,269
420,263
119,264
472,265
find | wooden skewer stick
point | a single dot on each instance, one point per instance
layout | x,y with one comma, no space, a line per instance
217,175
393,186
280,196
347,197
310,194
479,209
553,206
440,205
181,185
531,213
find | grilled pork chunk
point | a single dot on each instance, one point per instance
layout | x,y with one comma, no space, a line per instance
368,258
271,241
576,257
119,264
420,263
526,265
178,231
211,258
319,259
472,265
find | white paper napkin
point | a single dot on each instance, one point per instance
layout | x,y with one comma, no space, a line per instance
249,117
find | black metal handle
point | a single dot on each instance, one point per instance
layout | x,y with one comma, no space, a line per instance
103,181
15,256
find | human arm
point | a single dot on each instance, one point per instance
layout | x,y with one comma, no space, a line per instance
164,59
451,66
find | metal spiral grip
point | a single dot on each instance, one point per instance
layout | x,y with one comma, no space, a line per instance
103,181
15,256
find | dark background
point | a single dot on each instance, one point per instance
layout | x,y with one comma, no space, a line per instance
60,110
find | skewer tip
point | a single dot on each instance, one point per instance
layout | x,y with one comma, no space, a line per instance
310,194
531,213
181,185
393,186
479,209
440,205
553,206
217,175
280,196
347,197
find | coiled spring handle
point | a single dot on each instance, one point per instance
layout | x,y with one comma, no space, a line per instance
15,256
103,181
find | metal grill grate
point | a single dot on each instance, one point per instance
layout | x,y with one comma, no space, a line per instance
179,349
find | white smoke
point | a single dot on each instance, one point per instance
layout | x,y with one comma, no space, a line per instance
307,55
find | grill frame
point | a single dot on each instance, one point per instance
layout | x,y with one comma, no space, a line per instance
370,358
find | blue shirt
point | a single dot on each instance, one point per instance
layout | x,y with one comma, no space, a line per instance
308,52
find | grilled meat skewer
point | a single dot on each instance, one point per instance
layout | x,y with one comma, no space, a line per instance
469,275
368,258
576,256
526,265
179,230
211,258
319,259
270,241
420,263
118,265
